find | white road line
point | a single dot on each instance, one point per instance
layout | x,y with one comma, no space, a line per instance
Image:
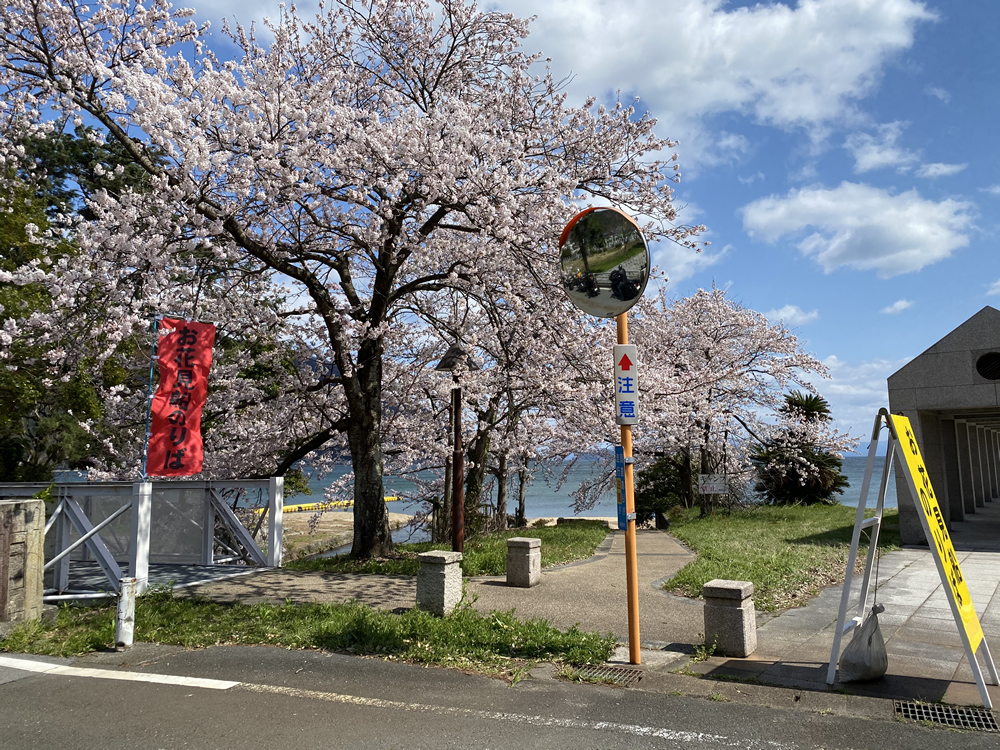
58,670
636,730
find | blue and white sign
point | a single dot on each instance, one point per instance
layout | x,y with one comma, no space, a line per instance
620,480
626,384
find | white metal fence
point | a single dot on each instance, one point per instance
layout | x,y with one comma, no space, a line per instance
125,526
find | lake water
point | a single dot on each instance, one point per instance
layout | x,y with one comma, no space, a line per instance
546,500
854,470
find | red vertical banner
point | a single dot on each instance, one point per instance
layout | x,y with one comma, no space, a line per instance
184,352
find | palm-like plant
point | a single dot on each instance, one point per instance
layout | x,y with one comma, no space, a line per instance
794,469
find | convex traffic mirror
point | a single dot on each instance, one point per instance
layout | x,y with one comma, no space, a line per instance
604,261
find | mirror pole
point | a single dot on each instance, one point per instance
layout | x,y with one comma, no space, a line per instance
631,565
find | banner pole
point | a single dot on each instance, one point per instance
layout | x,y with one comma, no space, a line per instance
149,395
631,565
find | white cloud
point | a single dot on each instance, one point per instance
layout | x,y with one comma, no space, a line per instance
808,173
729,147
792,315
247,11
856,391
752,178
862,227
938,93
995,289
681,263
880,151
896,307
992,189
802,66
937,169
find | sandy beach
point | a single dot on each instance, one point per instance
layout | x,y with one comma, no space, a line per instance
336,528
333,529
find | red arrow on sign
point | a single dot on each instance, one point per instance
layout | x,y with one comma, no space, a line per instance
626,363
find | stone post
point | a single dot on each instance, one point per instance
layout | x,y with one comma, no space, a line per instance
524,562
439,582
22,558
730,619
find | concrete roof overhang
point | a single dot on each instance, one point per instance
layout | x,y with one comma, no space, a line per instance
944,378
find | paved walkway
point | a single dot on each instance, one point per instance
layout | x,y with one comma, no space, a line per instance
592,593
926,657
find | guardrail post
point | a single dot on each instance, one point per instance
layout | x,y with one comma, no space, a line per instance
142,501
207,529
275,511
125,621
60,572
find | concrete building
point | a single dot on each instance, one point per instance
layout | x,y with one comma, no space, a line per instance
951,394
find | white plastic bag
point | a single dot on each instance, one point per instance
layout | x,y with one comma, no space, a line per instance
865,658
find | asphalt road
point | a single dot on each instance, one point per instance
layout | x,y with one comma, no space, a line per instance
307,699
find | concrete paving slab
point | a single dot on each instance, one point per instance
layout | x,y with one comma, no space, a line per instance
935,613
889,621
277,585
913,634
967,694
592,593
928,623
910,666
907,652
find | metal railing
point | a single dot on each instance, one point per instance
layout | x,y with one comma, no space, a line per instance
186,521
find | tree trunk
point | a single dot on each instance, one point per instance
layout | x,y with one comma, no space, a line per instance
522,489
371,519
501,523
703,469
687,479
479,453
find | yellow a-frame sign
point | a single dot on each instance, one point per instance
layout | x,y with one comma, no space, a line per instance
903,444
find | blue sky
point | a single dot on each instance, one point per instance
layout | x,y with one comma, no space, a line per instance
842,153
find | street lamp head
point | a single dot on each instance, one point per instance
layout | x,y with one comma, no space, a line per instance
454,358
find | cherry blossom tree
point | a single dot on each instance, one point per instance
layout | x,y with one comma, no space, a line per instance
713,376
723,390
535,366
305,191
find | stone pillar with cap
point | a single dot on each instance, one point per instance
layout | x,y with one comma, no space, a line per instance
439,582
730,619
524,562
22,558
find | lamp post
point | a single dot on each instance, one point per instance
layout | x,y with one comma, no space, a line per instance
453,361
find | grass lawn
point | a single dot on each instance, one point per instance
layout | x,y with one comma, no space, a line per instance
789,553
484,556
495,643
